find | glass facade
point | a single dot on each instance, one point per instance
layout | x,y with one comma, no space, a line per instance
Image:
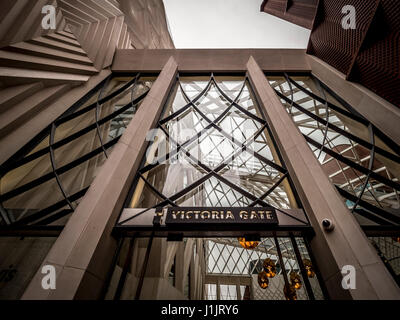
361,162
388,249
21,258
212,148
43,183
214,269
41,186
234,270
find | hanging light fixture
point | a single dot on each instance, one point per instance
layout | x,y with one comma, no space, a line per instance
290,292
295,280
248,244
309,268
396,239
263,281
269,268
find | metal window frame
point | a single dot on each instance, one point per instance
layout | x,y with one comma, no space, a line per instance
38,221
362,207
212,124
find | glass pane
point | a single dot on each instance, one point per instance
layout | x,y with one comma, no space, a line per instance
220,269
173,171
239,126
34,200
311,273
26,173
213,193
310,114
212,104
185,126
74,141
218,127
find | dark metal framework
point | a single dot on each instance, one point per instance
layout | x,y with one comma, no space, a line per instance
388,249
207,121
207,124
326,122
290,254
105,127
368,54
224,256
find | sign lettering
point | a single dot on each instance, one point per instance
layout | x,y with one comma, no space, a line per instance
221,215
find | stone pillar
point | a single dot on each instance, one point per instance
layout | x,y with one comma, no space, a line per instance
384,115
347,243
82,254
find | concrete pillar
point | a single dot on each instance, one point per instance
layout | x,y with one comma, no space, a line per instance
347,243
82,254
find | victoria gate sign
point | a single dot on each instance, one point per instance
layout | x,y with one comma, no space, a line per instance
211,221
217,216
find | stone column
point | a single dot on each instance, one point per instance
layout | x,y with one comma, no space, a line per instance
82,254
346,244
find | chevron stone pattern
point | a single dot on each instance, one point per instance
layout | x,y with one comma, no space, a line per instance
44,72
